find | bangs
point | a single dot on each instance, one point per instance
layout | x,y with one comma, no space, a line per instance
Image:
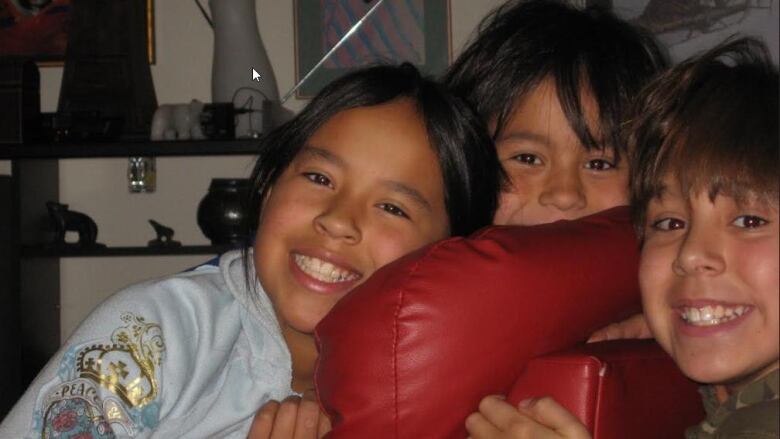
586,52
573,86
726,138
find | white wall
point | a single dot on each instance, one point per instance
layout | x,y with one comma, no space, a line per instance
182,72
98,187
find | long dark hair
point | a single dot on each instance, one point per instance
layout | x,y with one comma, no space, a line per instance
523,43
712,122
466,155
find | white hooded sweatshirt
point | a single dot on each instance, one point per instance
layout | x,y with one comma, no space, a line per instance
192,355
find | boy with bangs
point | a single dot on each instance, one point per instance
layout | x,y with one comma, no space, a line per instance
554,84
705,198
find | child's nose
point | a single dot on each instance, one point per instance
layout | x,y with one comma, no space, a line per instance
339,221
699,254
563,191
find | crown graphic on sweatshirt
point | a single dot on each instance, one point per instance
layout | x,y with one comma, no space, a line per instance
114,368
126,367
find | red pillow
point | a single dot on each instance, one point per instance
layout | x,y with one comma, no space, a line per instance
411,352
618,389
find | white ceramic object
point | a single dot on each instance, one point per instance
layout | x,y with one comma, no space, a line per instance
178,121
237,50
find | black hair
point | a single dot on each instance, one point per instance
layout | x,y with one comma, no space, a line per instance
522,43
712,122
467,158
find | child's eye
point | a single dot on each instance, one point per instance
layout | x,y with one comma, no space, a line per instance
599,165
669,224
528,159
392,209
749,221
318,178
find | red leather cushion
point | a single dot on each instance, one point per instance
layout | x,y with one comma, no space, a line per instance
411,352
618,389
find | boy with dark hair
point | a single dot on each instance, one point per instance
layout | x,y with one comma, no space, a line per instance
554,83
709,270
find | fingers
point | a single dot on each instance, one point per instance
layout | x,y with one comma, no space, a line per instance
323,426
497,411
610,332
479,427
496,419
633,327
541,418
308,417
286,417
293,418
263,421
547,412
639,327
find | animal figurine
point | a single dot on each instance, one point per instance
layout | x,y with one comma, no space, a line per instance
164,236
178,122
65,220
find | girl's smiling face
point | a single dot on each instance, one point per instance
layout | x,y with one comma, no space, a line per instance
365,190
709,280
553,176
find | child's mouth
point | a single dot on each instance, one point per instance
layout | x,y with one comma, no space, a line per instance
324,271
711,315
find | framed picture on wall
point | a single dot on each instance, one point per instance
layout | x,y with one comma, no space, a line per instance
417,31
39,29
687,27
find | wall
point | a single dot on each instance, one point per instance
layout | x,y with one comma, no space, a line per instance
182,72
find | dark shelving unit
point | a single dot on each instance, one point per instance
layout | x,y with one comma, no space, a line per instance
34,289
128,148
56,252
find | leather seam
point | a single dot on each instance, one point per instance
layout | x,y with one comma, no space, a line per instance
396,314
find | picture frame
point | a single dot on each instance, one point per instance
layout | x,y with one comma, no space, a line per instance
685,28
41,33
417,31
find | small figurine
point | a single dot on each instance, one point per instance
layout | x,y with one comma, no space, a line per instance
178,122
164,236
65,220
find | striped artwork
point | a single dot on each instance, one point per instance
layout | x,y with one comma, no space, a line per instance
395,32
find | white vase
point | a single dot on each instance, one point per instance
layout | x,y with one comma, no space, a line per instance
237,50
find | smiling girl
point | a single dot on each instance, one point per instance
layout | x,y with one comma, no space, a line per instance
381,163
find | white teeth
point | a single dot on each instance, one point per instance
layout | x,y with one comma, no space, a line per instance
710,316
322,270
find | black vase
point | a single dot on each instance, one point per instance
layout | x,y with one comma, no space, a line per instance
222,212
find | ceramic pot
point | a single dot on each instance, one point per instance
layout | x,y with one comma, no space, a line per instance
221,212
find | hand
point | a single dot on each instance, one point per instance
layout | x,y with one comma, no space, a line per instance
293,418
532,419
633,327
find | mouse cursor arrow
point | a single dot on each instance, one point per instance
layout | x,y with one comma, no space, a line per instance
255,75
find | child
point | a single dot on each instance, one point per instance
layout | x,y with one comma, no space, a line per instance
381,163
554,83
710,253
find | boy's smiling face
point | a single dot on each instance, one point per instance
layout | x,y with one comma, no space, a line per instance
553,177
709,280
